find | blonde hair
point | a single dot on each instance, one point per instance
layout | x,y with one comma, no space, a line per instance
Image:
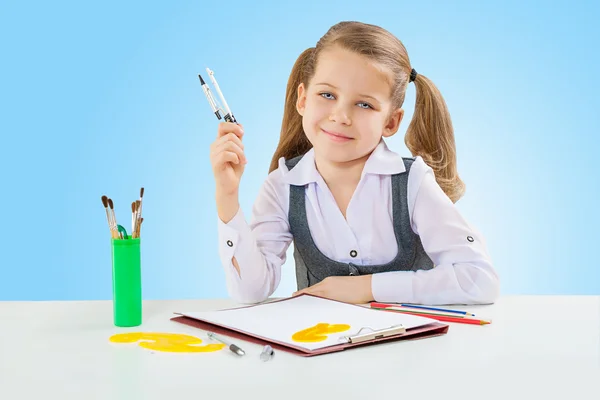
430,133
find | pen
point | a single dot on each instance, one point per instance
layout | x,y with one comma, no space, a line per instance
214,104
211,76
237,350
209,97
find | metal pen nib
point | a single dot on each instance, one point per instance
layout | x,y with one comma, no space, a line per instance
236,349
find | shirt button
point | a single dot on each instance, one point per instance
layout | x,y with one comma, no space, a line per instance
470,238
353,253
229,243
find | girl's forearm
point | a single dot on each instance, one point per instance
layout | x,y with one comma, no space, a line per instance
227,205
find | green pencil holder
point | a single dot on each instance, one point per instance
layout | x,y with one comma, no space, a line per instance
127,282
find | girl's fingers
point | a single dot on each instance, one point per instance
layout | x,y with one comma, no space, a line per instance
315,289
232,147
230,127
230,137
233,138
228,157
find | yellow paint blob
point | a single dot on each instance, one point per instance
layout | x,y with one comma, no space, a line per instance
319,332
168,342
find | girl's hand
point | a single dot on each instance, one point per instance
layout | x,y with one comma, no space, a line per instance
348,289
227,158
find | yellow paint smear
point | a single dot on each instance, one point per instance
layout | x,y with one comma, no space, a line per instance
319,332
168,342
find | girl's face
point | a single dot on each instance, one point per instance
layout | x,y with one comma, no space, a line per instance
347,108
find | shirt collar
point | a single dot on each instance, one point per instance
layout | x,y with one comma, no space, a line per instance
382,161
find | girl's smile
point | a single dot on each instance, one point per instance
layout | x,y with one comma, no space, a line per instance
337,137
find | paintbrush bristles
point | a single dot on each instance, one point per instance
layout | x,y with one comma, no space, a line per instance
136,217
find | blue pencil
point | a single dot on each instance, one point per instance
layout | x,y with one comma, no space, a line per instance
436,309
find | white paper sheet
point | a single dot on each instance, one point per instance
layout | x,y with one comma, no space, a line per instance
281,319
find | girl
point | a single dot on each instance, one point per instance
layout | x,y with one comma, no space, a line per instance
367,224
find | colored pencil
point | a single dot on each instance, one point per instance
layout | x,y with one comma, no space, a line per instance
423,308
424,312
461,320
437,309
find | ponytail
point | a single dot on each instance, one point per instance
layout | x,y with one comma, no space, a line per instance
431,136
292,140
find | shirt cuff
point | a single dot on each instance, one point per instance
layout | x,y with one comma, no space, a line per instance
230,235
392,287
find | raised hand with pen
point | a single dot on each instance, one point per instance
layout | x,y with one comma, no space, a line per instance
227,156
226,152
228,161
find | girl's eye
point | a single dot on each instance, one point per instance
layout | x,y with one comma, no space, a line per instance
329,96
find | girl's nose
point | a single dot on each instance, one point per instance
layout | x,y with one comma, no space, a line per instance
340,115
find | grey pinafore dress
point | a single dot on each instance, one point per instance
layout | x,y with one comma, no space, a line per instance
312,266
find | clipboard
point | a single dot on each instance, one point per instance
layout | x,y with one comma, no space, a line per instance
364,336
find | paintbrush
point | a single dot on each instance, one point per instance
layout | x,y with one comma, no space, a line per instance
139,215
114,218
108,216
136,211
133,219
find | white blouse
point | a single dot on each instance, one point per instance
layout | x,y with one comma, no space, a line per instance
463,272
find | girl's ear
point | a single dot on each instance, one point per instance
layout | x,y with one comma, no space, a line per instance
393,122
301,102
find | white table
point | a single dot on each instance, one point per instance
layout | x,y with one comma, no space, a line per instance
549,345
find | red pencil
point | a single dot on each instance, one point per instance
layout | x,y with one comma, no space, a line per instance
439,317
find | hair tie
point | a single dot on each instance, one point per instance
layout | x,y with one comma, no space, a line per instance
413,75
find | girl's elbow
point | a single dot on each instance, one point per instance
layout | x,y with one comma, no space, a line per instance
250,289
489,292
485,289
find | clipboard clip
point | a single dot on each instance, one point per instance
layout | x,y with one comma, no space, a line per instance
373,334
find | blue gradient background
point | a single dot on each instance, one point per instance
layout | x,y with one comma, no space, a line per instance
104,98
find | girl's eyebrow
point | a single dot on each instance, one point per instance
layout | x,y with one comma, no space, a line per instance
334,87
